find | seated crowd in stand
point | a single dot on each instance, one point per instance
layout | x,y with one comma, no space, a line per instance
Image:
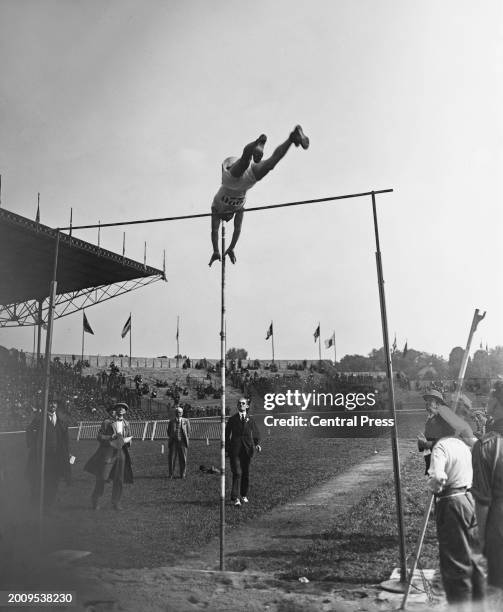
85,397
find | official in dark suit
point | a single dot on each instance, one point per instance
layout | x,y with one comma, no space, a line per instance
111,462
241,440
178,442
57,455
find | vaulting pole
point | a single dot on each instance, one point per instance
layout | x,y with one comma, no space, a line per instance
391,390
222,415
47,378
417,552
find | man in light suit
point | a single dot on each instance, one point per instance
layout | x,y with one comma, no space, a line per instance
241,440
111,462
178,442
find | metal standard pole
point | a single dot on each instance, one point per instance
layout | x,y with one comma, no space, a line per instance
222,414
389,372
48,343
130,341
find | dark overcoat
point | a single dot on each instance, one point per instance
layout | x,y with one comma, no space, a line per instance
59,464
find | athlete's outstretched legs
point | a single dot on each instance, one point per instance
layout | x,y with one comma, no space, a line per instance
253,149
297,137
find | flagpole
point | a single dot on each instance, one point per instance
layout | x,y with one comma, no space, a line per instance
272,340
335,349
39,329
222,414
319,340
177,340
82,356
130,334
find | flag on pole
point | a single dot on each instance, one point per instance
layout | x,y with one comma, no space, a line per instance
393,348
269,332
317,333
127,327
87,328
177,329
405,349
330,342
37,218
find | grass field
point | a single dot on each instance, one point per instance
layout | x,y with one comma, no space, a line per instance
163,520
363,546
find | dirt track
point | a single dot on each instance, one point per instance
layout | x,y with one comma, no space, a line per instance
285,531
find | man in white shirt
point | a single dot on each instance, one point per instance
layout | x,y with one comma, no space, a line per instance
450,478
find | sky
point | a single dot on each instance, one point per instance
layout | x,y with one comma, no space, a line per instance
125,109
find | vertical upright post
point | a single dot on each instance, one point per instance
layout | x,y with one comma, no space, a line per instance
47,377
391,390
335,350
222,414
272,341
319,341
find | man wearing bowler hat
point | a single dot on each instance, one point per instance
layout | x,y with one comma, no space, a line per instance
178,442
111,461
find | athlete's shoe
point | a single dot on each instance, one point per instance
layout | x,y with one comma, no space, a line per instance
231,255
258,151
244,499
299,138
214,257
237,503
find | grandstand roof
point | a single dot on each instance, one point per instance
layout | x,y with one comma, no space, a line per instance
27,260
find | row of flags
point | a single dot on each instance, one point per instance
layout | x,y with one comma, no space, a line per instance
89,330
328,343
395,345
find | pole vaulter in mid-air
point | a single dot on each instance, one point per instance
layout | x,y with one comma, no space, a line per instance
239,175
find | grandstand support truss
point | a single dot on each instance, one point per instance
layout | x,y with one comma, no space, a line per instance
27,313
